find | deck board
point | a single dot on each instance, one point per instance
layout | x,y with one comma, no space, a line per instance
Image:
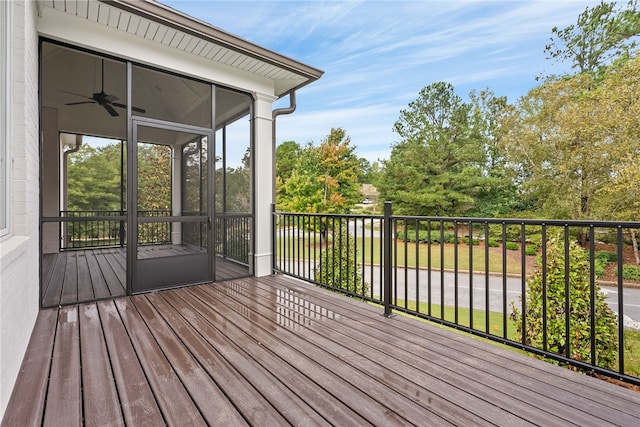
277,351
64,395
138,403
30,392
99,395
173,399
85,285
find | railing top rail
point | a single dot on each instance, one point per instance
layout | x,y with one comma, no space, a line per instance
509,221
330,215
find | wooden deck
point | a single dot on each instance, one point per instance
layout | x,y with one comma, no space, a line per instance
275,351
85,275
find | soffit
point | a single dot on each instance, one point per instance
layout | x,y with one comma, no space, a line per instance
158,23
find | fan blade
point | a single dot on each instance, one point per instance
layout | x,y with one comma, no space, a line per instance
136,109
110,109
76,94
80,103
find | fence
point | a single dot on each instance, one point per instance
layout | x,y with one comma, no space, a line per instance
550,287
98,229
233,236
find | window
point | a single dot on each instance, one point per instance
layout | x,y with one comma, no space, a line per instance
5,80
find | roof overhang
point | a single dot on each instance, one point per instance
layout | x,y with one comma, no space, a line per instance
153,21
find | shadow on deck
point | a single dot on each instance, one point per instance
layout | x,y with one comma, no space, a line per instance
276,351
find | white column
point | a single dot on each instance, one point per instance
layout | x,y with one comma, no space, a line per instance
263,155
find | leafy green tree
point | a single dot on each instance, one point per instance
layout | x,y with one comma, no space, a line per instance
499,196
154,177
287,156
324,179
93,178
603,34
437,167
578,345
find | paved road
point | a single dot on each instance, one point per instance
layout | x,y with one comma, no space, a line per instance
477,290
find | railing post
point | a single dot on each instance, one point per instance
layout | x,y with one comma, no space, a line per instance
273,238
386,264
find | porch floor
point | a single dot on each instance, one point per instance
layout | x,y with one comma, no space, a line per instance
71,277
276,351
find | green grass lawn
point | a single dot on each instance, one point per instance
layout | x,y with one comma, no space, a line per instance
410,255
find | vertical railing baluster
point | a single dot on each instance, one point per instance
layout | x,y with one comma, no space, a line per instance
487,305
567,293
456,282
523,279
386,265
417,263
620,256
471,311
504,279
429,281
592,293
544,286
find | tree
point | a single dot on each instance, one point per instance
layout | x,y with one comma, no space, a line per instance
498,197
578,344
154,177
287,155
601,35
563,156
93,178
437,167
324,178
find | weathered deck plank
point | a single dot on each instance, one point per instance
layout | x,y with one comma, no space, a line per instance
138,403
64,394
99,392
30,392
275,351
173,399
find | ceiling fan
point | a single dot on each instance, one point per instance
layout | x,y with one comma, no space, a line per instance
104,100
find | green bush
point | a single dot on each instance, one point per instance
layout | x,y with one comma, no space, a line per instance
511,246
337,267
599,267
424,237
606,345
600,261
631,272
493,243
531,249
465,240
605,256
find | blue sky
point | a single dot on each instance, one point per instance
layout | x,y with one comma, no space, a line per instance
377,55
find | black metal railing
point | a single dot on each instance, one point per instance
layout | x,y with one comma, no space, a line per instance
494,278
99,229
233,236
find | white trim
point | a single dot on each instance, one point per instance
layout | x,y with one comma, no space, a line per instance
5,115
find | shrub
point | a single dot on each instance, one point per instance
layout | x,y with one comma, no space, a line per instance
606,345
600,261
493,243
631,272
337,267
511,246
605,256
531,249
599,267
